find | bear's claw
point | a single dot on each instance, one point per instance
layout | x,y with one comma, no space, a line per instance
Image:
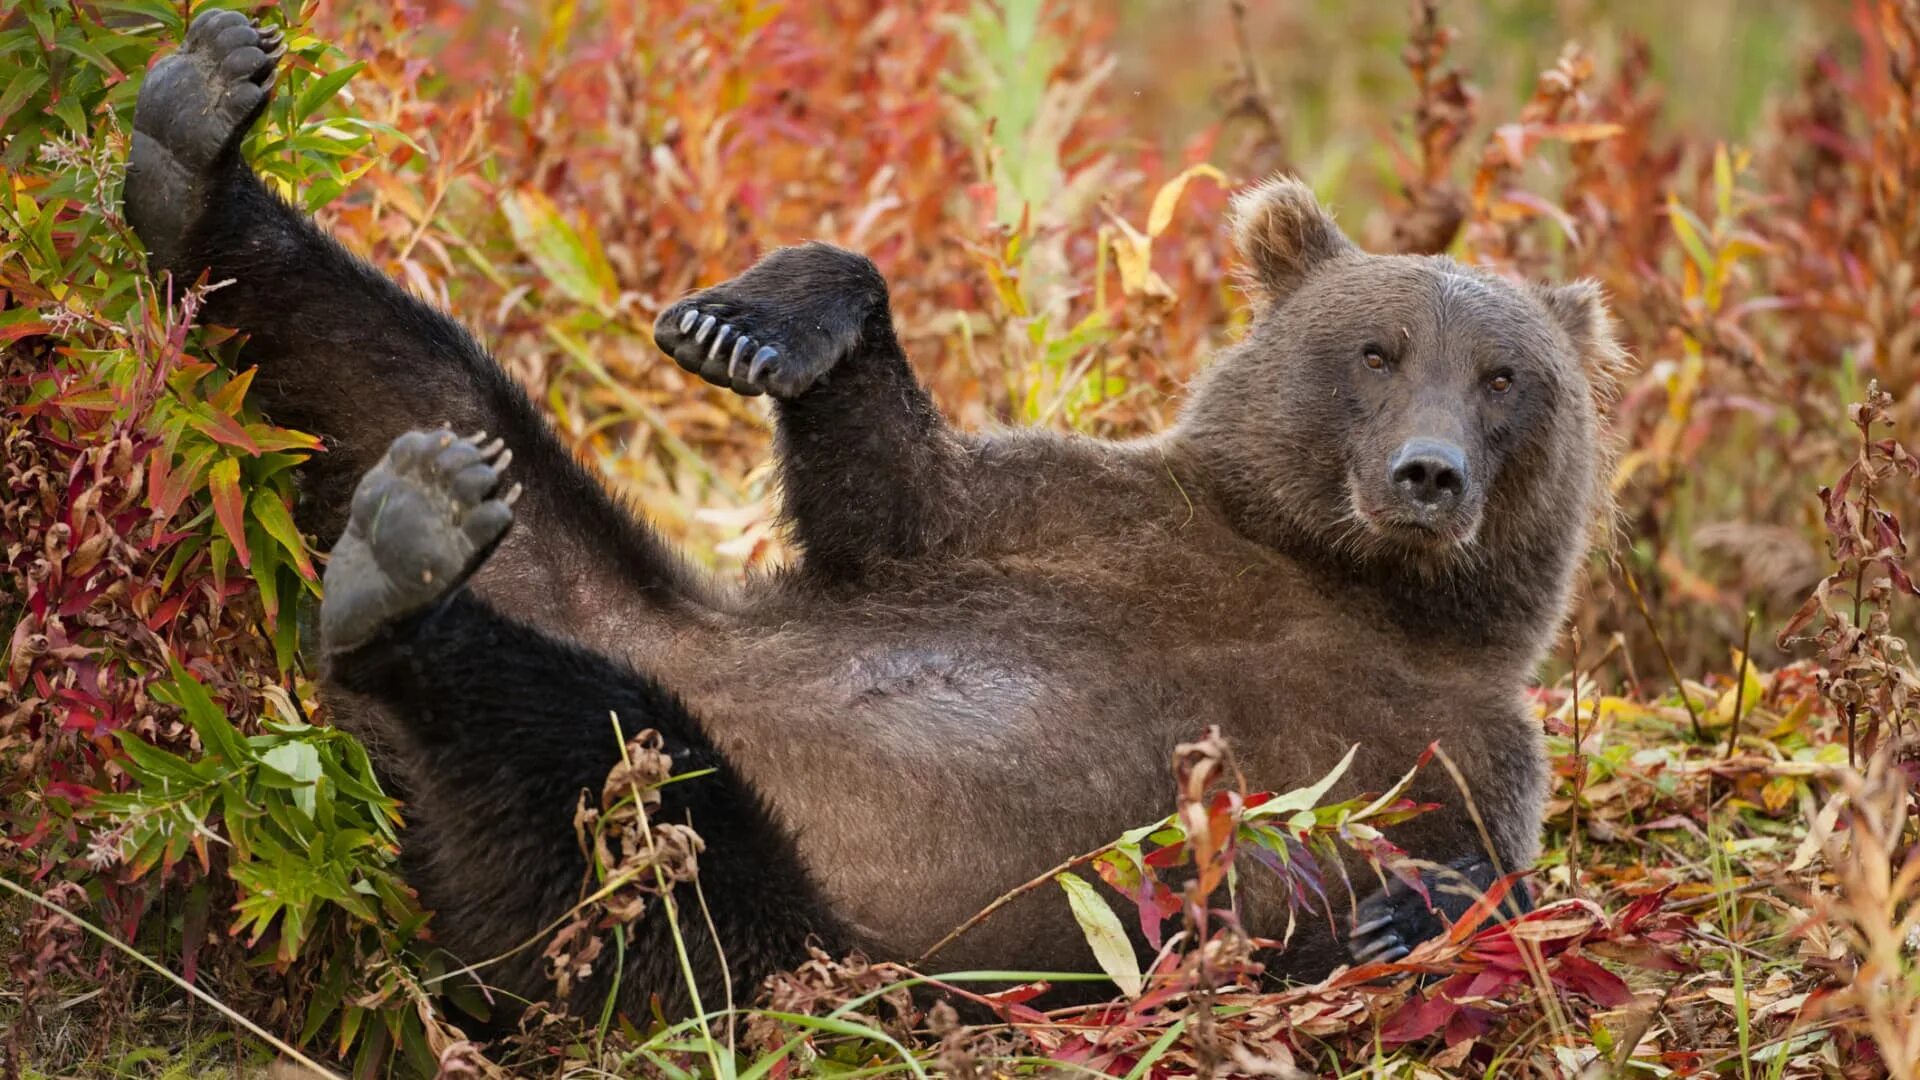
423,520
1376,939
779,328
1391,922
723,353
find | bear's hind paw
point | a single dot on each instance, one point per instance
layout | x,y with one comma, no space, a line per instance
423,521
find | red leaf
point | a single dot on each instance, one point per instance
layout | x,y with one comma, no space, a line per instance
1015,995
225,430
1483,908
1418,1019
1468,1023
30,328
1597,984
1641,907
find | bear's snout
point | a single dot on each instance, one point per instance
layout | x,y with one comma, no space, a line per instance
1429,476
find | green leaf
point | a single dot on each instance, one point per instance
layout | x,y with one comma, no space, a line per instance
270,510
23,85
1104,934
299,762
323,89
1688,229
1305,798
160,764
217,736
575,264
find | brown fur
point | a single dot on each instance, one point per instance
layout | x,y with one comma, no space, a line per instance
964,715
991,644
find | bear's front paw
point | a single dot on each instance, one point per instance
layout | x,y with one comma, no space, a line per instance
423,521
703,338
1388,924
194,107
780,327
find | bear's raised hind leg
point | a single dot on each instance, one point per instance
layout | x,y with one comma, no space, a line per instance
344,353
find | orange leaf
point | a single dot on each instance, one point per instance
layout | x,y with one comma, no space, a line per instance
229,506
229,398
225,430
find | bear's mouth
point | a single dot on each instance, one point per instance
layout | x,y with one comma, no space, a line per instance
1429,529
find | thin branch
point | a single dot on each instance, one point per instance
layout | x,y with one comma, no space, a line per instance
1660,643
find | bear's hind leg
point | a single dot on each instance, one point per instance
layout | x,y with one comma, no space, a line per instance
507,726
423,520
343,352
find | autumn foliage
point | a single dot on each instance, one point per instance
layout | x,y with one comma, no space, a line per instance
1731,886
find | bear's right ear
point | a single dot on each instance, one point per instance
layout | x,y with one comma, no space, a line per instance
1283,234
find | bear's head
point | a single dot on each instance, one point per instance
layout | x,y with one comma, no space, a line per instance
1406,416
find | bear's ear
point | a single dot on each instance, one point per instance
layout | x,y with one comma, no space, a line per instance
1283,234
1580,307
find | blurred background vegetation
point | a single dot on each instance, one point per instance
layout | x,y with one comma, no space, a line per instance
1044,185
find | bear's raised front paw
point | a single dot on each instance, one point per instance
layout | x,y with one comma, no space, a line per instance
703,339
780,327
194,107
423,521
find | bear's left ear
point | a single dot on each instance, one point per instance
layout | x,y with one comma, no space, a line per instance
1580,307
1284,235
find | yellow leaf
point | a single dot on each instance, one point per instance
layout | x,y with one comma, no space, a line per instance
1778,793
1748,694
570,258
1630,463
1104,934
1163,201
1133,257
1795,719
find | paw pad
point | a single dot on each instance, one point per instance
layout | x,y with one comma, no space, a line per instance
423,520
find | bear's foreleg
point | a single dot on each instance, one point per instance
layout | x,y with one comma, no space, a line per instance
869,469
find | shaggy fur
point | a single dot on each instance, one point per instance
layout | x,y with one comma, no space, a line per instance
990,644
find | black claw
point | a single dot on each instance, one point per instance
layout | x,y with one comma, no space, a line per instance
767,355
1383,949
1366,929
739,350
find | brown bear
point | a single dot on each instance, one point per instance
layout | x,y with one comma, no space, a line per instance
1365,528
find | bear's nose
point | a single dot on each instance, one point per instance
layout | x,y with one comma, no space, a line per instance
1430,473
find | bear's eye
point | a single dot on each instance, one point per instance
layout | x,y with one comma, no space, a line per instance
1500,382
1374,359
